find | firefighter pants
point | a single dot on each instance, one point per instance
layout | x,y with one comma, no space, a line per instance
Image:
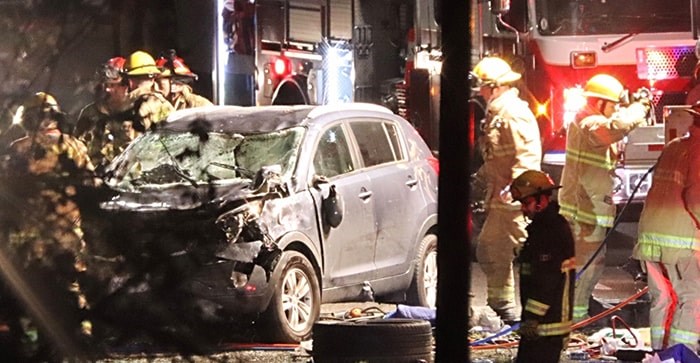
501,237
545,349
674,315
588,239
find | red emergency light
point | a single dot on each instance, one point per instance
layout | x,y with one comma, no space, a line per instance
282,66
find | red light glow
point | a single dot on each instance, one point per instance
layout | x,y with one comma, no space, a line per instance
281,66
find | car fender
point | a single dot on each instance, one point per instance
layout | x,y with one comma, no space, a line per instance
292,240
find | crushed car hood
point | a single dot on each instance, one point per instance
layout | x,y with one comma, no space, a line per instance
177,196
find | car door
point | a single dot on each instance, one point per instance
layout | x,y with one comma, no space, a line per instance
398,202
349,247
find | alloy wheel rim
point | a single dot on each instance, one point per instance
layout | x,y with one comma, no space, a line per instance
430,270
297,299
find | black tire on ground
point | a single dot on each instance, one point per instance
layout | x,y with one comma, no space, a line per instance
295,304
423,289
375,340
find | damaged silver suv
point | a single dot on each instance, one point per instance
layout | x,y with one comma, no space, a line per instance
267,212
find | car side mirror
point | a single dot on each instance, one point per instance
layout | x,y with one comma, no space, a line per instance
331,204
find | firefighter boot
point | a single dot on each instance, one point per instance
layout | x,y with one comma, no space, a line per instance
507,310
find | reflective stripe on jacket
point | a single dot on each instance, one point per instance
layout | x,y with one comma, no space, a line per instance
591,156
672,208
547,273
510,145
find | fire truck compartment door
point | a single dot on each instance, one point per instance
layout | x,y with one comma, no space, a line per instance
644,145
676,121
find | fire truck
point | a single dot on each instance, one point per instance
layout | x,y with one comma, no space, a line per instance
389,52
324,51
559,44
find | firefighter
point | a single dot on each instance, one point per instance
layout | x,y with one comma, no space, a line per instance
174,82
149,107
510,144
40,224
669,242
547,271
589,171
101,123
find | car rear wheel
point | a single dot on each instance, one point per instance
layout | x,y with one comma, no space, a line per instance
423,289
296,302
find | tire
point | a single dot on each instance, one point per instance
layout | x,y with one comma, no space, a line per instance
375,340
423,289
296,302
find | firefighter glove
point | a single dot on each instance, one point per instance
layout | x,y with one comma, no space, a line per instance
528,329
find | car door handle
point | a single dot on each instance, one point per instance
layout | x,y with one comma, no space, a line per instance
411,182
364,194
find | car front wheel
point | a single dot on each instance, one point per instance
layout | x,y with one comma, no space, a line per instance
423,289
296,302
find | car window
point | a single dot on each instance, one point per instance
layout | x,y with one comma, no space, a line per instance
332,153
378,141
166,157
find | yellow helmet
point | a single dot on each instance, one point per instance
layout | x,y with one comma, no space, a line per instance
35,108
494,71
531,182
141,63
604,86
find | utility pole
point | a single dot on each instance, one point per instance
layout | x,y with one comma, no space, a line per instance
454,258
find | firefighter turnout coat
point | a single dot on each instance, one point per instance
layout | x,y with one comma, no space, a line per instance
591,156
669,242
548,273
510,145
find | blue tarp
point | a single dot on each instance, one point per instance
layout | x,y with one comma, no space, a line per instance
679,353
413,312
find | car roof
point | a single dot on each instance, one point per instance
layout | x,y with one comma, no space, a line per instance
257,119
237,119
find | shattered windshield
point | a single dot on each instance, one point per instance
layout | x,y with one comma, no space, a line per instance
165,157
582,17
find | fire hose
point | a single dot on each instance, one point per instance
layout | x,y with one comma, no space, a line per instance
481,343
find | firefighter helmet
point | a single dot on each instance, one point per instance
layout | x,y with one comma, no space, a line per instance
530,183
177,65
141,63
35,109
605,87
112,70
494,71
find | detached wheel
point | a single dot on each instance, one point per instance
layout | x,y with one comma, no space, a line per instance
375,340
423,289
296,302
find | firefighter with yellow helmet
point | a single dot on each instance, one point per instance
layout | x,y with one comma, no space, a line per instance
149,105
509,146
589,171
100,124
669,242
547,271
175,82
